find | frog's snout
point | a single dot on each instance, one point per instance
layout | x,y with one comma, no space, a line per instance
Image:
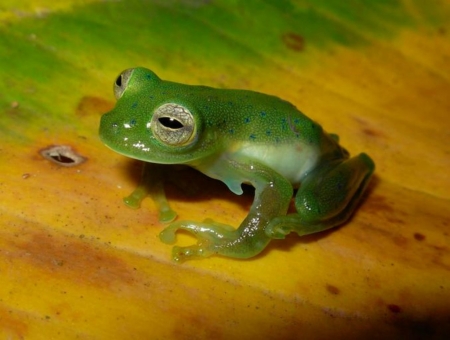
108,127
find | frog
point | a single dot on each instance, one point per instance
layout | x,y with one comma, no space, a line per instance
240,137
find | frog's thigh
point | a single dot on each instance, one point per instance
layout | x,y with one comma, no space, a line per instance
326,198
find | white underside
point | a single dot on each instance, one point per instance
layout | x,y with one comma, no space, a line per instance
293,161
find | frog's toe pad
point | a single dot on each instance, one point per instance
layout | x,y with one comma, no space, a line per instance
132,201
181,254
210,237
167,216
168,235
277,232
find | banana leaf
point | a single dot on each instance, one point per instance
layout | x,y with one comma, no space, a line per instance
75,262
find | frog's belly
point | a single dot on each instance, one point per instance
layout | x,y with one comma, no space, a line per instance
293,161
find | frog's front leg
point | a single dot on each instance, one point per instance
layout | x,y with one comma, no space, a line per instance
272,196
151,184
326,198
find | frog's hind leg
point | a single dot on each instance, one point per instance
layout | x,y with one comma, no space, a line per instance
272,196
326,198
208,233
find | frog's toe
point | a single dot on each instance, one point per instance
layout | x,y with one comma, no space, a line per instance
168,235
277,231
211,237
181,254
277,234
206,231
167,215
133,200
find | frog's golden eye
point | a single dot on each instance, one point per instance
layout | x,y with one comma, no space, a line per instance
121,83
173,124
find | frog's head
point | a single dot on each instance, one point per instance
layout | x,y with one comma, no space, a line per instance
154,120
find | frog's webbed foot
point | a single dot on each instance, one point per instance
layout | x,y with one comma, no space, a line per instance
211,237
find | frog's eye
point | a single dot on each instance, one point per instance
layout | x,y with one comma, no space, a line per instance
173,124
121,83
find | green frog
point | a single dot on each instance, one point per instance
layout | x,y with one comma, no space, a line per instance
237,137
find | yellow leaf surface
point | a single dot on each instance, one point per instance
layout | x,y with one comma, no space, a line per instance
75,262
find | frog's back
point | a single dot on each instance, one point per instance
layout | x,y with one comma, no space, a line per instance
266,129
244,115
251,126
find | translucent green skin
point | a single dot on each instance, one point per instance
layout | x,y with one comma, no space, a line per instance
239,137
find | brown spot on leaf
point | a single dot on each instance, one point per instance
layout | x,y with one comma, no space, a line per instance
400,240
200,324
394,308
62,155
293,41
74,259
93,105
372,132
15,327
368,128
333,289
378,203
419,236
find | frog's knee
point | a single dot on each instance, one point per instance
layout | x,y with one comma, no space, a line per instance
311,209
366,161
334,136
